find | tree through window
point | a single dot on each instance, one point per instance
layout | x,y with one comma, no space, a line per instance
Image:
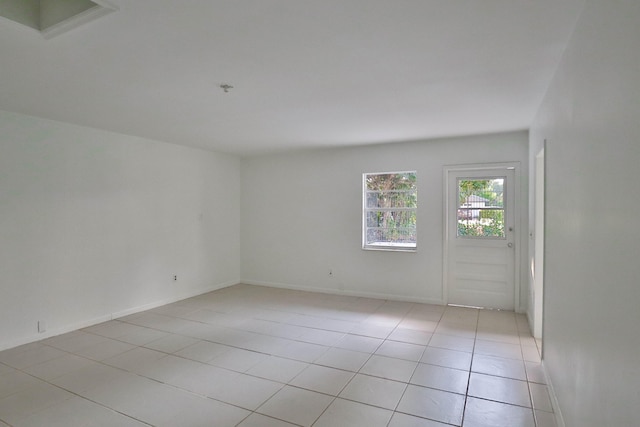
390,208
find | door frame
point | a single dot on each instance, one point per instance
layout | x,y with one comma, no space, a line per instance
538,241
517,220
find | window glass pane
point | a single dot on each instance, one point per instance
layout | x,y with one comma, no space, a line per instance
390,236
391,199
481,208
390,210
391,181
481,192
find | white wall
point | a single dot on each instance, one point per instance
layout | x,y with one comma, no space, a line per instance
302,215
94,223
591,120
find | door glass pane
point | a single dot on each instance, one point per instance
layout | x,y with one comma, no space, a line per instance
481,207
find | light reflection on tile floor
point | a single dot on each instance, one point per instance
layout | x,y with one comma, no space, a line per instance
256,356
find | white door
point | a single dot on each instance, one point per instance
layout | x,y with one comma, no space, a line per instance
480,238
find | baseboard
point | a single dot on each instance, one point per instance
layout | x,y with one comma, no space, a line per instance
173,299
104,318
332,291
554,399
54,332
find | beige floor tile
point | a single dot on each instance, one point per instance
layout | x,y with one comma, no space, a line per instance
297,406
167,368
441,378
30,357
203,379
291,332
104,349
133,360
531,354
57,367
410,336
89,377
141,335
5,369
499,336
433,404
203,351
343,359
77,412
456,329
499,389
171,343
345,413
374,391
286,355
323,379
497,349
237,359
30,400
359,343
245,391
163,405
451,342
264,343
484,413
535,372
540,397
389,368
498,366
74,341
301,351
403,420
447,358
416,324
383,320
258,420
460,315
14,381
319,336
278,369
401,350
370,330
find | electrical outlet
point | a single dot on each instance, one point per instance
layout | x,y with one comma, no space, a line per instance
175,277
42,326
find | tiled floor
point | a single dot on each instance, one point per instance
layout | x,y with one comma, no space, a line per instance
254,356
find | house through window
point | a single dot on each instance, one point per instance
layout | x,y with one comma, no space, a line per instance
390,203
481,208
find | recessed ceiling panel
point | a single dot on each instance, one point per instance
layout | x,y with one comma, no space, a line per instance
52,17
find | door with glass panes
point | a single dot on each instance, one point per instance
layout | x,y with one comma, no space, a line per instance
481,238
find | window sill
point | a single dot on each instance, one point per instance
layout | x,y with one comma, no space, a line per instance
390,248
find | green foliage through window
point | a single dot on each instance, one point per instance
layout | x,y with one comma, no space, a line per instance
481,207
390,210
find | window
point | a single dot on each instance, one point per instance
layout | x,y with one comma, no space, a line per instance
390,202
481,208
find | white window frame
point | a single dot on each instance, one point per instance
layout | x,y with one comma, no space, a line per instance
385,246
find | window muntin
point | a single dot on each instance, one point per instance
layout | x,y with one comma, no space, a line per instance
390,210
481,208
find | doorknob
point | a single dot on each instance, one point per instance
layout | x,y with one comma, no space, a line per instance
510,244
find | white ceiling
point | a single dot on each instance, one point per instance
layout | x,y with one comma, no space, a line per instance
307,73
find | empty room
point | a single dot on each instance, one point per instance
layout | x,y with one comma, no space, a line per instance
276,213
